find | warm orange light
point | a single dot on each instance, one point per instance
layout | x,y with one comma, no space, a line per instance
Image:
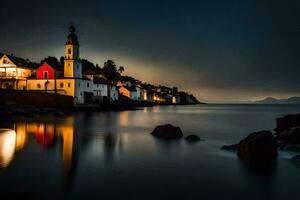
7,146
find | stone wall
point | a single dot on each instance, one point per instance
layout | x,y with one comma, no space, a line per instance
35,98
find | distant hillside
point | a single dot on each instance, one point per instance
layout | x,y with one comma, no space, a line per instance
271,100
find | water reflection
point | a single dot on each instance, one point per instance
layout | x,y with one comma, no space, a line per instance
46,135
93,155
7,146
70,135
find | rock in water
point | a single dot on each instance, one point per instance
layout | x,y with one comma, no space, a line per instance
287,122
258,146
192,138
291,136
167,132
233,147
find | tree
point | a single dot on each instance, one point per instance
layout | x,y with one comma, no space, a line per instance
86,65
121,69
51,60
110,71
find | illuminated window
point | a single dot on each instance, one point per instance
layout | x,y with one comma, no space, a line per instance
61,85
45,75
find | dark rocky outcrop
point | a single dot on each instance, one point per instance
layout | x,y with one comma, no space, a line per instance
258,146
192,138
288,130
233,147
290,136
258,150
287,122
167,132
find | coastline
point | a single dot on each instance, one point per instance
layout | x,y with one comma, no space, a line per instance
17,110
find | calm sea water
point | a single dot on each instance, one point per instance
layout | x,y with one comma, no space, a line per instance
111,155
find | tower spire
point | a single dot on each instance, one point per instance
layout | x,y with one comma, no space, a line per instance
72,68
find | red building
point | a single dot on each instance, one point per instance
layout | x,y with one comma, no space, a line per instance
45,71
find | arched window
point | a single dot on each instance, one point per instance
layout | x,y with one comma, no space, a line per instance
61,85
38,85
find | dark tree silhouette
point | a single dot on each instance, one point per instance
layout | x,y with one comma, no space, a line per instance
52,61
86,65
110,71
121,69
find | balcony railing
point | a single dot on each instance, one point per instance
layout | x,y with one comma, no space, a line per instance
6,75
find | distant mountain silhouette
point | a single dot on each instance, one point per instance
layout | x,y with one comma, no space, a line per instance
271,100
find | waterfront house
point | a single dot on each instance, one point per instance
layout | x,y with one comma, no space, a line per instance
45,79
46,71
129,92
104,90
14,72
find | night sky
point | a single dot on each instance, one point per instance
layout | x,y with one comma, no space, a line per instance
216,49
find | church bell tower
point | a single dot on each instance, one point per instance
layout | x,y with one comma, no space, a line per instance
73,67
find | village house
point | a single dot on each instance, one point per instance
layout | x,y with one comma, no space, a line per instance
104,90
45,79
47,71
14,72
129,92
132,89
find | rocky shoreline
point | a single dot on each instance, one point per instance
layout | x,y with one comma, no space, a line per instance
262,147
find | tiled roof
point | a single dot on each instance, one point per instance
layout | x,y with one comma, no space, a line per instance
90,72
99,80
131,89
20,62
56,67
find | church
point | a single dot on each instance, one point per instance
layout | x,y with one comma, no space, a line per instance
70,80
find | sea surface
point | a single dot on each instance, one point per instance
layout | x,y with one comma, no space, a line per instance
111,155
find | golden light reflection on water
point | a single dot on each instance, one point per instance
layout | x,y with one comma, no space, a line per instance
7,146
67,135
45,134
124,118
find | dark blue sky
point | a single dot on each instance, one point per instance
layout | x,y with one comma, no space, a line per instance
216,49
